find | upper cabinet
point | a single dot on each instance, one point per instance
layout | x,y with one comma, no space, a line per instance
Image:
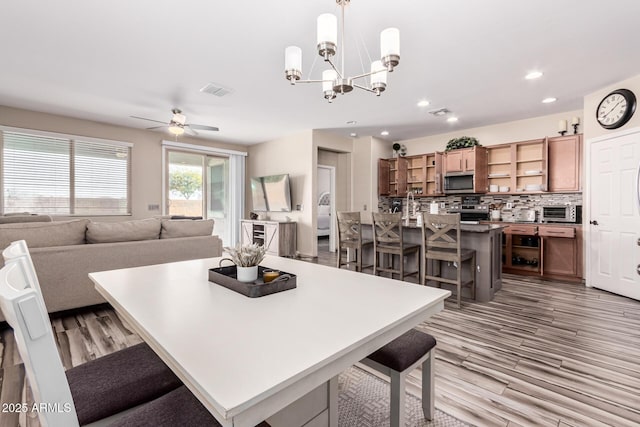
460,160
518,167
565,160
525,167
392,177
422,175
470,161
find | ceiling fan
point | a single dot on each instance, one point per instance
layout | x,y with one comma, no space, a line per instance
178,124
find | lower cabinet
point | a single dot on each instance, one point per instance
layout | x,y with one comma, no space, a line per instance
561,251
550,251
279,238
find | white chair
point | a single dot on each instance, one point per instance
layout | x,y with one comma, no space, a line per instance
130,387
84,394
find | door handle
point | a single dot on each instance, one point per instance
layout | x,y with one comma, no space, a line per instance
594,222
638,269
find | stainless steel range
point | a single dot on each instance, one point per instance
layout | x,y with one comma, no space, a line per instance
471,210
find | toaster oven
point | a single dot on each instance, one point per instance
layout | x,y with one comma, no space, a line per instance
562,213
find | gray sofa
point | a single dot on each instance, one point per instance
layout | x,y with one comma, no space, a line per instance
65,252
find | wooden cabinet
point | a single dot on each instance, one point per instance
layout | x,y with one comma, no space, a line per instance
521,249
561,252
461,160
420,174
565,163
468,161
392,177
519,167
434,174
279,238
550,251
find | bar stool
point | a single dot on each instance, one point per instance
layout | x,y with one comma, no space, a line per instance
441,240
387,239
396,360
350,237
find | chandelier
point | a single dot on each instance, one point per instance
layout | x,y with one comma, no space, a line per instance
335,81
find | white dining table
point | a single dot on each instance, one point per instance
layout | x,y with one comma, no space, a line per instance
273,358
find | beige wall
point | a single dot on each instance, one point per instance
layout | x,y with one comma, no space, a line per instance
592,129
292,154
366,152
146,155
297,155
519,130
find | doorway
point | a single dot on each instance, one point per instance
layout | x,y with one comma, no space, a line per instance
326,208
198,187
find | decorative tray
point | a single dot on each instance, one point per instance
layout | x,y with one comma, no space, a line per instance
226,276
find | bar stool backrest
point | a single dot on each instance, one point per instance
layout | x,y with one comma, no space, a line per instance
440,226
349,227
387,228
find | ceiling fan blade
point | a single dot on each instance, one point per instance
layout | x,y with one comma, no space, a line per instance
156,127
203,127
150,120
190,131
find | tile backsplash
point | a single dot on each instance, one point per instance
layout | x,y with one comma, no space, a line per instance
517,201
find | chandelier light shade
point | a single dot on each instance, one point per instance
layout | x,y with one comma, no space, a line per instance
334,80
390,47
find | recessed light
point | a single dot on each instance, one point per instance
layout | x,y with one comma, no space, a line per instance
352,122
384,133
533,75
452,119
353,134
549,100
423,103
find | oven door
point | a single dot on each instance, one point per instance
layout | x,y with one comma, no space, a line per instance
458,183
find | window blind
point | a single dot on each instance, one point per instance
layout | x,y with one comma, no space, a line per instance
57,175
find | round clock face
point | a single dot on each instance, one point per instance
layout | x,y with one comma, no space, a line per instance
616,109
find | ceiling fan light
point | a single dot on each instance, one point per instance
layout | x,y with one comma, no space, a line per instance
176,130
179,118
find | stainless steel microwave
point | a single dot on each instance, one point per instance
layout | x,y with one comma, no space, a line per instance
458,183
562,213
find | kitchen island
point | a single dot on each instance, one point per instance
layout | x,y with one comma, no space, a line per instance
486,239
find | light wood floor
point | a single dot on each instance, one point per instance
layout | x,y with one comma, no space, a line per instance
542,353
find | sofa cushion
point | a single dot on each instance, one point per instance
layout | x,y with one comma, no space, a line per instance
172,228
23,217
44,234
125,231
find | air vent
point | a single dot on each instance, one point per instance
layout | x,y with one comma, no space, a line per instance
216,89
440,112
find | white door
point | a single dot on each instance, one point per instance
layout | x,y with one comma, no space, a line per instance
271,241
614,214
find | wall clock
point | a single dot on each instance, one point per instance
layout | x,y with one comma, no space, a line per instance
616,109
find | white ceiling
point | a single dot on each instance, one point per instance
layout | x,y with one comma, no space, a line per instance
108,60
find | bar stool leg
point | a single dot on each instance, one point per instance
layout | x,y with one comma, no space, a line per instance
459,284
401,259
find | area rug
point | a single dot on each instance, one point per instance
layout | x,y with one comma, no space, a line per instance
363,401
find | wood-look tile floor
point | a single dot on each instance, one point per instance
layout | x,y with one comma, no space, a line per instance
542,353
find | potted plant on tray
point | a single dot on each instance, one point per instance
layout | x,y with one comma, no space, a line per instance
246,258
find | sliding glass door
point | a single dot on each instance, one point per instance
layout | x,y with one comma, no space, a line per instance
198,186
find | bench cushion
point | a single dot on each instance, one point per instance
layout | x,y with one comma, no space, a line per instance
119,381
404,351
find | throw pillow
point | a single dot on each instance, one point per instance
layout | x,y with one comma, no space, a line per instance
124,231
186,228
44,234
